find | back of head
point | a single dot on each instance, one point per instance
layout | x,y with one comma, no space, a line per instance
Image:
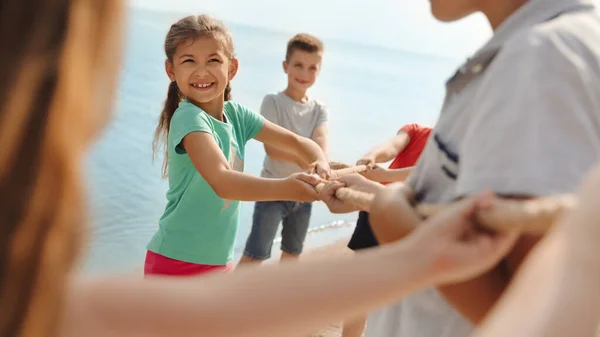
188,29
304,42
55,64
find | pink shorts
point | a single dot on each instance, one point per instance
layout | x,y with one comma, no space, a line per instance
157,264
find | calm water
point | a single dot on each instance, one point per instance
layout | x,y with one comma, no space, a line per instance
371,92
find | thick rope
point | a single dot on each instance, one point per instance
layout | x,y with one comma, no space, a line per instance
534,216
359,199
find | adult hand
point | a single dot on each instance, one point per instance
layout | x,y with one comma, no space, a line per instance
457,247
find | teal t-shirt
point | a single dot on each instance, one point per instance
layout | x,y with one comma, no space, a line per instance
198,226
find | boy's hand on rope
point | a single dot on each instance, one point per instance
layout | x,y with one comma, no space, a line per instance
320,168
301,187
459,249
355,182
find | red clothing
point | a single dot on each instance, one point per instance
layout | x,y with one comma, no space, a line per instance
418,138
157,264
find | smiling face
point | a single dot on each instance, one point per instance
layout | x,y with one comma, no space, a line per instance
202,70
302,69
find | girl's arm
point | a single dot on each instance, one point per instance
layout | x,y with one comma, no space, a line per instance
386,151
227,183
305,149
284,156
287,299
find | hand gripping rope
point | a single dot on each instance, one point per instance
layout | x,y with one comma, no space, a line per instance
534,216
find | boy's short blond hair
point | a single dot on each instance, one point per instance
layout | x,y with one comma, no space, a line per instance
305,42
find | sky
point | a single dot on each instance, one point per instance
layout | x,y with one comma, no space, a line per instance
397,24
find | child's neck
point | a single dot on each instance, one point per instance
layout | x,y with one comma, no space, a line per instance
296,95
214,108
498,11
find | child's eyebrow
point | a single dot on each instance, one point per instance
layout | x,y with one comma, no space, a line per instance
186,55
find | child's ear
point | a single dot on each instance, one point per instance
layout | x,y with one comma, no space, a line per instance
233,68
285,66
169,70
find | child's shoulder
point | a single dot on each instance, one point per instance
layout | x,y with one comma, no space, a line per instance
319,103
273,96
236,107
187,110
238,111
186,106
188,116
414,128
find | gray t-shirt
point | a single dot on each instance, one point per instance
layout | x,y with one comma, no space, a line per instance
300,118
522,117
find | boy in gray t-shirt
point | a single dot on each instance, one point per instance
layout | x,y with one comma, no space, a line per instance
293,110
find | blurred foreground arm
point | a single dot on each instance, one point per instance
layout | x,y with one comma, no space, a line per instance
555,293
280,300
270,301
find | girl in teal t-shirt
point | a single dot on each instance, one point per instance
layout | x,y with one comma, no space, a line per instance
204,135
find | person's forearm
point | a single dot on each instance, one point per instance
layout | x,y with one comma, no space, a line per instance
271,301
389,150
475,298
234,185
391,215
383,153
284,156
323,143
555,294
392,218
308,151
391,175
399,174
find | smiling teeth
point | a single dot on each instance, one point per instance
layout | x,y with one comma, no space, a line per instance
201,85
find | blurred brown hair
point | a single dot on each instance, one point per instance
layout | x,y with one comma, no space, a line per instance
58,65
304,42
